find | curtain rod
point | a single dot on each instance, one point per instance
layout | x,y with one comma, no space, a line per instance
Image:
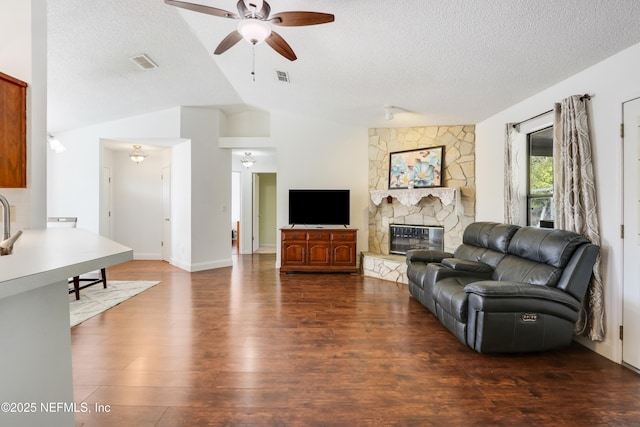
584,97
515,125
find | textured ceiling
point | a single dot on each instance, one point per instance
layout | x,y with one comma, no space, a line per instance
439,61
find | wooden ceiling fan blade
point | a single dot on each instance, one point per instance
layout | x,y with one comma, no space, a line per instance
278,44
203,9
299,19
228,42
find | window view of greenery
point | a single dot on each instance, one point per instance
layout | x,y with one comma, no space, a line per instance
540,194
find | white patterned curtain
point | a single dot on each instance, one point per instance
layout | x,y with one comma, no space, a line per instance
511,175
575,200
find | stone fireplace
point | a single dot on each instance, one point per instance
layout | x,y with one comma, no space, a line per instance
428,207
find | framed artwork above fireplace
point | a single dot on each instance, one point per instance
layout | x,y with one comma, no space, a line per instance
417,168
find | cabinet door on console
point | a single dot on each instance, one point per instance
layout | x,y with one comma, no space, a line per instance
343,248
294,248
294,254
344,254
319,245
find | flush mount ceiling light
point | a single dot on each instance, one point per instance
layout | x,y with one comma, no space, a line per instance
55,144
388,113
137,155
248,160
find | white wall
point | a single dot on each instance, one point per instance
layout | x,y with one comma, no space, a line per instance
23,55
210,189
245,124
181,206
319,154
611,82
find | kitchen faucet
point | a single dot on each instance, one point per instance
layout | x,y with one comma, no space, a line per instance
6,217
6,245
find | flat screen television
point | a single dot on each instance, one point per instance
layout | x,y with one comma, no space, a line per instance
319,207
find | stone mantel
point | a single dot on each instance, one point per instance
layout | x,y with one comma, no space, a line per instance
411,197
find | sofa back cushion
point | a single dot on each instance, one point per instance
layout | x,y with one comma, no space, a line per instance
553,247
538,256
516,269
477,254
490,235
485,242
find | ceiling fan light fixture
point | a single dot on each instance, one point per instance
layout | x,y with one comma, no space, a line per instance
254,30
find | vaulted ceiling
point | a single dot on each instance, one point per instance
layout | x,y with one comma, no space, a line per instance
437,61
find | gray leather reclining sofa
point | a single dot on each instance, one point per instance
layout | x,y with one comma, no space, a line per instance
507,288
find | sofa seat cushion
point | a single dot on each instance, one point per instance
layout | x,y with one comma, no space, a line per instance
449,296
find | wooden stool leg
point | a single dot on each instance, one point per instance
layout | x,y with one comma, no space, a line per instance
76,286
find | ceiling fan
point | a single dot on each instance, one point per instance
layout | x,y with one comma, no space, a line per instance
254,23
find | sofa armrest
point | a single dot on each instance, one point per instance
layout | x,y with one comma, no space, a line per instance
516,290
467,265
421,255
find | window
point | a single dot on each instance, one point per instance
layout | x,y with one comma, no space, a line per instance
540,209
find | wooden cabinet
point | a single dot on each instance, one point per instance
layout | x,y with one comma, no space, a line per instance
318,250
13,132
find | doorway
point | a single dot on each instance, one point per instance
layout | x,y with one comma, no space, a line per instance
264,212
166,213
631,241
105,205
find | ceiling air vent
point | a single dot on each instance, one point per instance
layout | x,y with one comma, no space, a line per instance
282,76
143,62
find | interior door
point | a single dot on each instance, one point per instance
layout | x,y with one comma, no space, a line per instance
255,207
105,214
631,242
166,213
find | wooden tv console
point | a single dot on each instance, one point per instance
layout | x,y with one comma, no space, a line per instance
318,250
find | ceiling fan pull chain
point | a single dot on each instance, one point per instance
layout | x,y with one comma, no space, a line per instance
253,62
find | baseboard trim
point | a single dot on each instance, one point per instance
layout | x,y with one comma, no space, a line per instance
147,256
201,266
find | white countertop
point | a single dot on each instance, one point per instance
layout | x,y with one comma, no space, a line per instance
42,257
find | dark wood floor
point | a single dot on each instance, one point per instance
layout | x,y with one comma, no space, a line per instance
246,346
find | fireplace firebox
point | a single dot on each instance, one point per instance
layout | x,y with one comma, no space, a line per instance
403,237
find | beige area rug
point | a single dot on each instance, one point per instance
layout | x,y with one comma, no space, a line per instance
95,299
